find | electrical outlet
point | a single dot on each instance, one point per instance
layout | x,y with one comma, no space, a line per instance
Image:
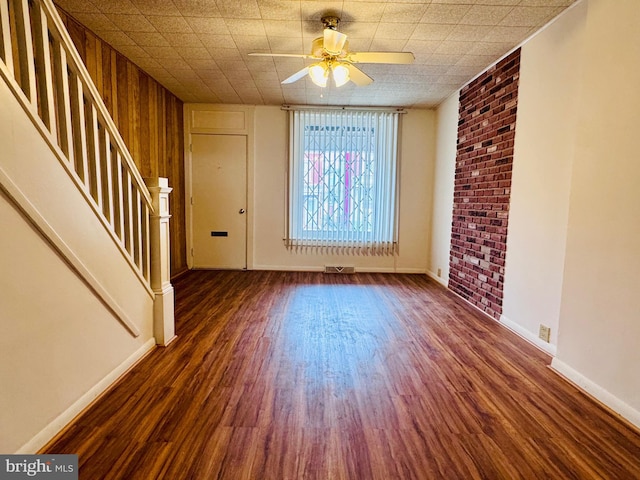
544,333
439,272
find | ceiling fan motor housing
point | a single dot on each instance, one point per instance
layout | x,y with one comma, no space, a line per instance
318,51
316,47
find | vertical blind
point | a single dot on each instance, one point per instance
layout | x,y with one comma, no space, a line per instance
343,180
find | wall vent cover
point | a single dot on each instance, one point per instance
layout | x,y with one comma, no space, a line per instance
339,269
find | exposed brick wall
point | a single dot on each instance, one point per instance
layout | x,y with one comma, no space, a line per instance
486,130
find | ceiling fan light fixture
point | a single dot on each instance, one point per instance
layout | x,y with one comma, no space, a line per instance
340,74
333,58
319,73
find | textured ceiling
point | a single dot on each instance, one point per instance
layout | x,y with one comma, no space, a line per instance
198,48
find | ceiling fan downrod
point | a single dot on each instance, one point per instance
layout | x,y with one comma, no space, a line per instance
331,22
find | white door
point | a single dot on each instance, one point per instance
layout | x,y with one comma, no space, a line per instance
219,192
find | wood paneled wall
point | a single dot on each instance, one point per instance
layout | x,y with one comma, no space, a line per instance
149,118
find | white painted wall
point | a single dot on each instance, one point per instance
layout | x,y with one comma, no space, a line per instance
444,177
416,181
60,347
548,97
599,337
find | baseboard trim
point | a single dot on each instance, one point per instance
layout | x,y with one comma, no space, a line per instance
287,268
180,274
58,425
609,401
522,332
438,279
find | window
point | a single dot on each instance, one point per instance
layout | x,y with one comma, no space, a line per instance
342,180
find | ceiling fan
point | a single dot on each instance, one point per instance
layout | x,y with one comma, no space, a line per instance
333,57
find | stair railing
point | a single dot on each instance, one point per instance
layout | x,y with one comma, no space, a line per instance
41,65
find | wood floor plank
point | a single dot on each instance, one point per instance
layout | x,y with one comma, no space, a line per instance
291,375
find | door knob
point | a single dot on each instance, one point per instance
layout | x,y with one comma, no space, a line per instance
241,211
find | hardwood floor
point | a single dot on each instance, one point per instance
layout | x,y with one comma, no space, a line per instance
302,375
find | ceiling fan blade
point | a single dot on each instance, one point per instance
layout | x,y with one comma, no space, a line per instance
295,55
357,76
296,76
381,57
333,41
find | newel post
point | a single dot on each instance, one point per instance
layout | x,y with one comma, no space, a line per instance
163,315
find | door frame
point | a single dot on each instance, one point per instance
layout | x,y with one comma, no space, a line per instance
218,120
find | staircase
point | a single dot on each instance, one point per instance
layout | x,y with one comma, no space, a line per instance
80,230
